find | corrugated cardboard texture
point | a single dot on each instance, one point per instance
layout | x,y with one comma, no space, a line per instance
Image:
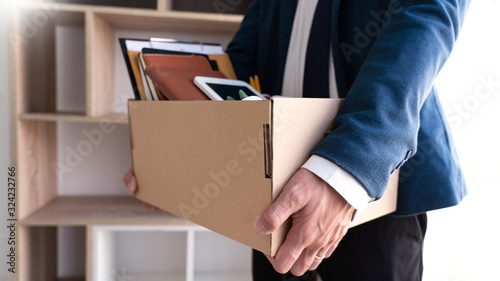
204,161
299,125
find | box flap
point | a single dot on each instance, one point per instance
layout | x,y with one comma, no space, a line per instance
299,124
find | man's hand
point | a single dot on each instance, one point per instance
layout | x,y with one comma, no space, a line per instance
320,219
131,182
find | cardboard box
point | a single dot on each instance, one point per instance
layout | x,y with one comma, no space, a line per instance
220,164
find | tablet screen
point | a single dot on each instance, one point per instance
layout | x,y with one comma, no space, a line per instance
230,90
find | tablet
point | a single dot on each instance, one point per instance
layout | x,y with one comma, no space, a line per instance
221,89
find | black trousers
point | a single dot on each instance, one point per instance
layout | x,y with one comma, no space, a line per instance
385,249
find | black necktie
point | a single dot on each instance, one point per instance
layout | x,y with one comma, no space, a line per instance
316,78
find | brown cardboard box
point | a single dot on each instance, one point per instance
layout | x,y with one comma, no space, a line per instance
220,164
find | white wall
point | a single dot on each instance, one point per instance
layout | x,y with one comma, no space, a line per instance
462,242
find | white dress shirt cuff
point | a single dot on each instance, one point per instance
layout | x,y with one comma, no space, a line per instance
343,182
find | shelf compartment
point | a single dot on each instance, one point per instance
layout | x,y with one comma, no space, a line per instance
91,210
34,41
162,252
70,249
37,248
219,258
41,249
112,257
108,85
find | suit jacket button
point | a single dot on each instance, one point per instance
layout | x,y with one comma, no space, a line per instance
407,157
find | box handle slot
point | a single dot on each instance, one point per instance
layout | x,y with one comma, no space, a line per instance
267,151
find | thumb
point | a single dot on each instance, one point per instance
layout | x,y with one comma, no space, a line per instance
278,212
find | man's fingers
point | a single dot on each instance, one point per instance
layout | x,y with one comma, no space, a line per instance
305,262
132,187
285,259
279,211
331,248
319,257
315,264
298,251
269,220
323,252
129,180
158,210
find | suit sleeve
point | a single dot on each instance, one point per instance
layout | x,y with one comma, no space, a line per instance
377,126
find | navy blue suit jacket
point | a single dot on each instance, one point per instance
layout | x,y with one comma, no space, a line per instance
386,55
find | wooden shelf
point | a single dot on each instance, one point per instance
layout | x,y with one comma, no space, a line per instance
73,117
68,7
59,13
173,276
223,276
159,21
181,276
92,210
135,18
